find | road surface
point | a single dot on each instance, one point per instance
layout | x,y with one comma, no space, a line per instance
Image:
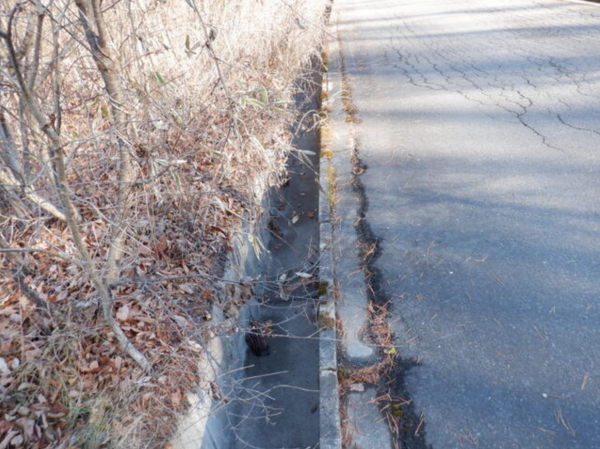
480,130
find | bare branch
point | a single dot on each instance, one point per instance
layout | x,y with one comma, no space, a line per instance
33,71
38,200
93,24
19,275
72,217
8,147
41,251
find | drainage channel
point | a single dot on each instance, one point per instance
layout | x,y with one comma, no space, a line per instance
278,402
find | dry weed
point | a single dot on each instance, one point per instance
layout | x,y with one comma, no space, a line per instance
378,334
208,89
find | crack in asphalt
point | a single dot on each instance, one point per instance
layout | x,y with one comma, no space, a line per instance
542,99
456,73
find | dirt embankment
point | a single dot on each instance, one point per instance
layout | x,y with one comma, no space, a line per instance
135,139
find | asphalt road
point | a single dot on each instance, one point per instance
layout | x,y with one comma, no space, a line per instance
480,129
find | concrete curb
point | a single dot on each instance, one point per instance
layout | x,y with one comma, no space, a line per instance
329,400
329,403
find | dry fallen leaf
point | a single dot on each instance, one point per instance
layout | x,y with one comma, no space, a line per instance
28,425
4,369
10,436
176,397
187,288
17,441
123,313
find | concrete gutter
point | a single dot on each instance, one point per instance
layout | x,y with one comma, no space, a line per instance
216,421
206,423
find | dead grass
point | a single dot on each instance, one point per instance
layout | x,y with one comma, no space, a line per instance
210,135
378,334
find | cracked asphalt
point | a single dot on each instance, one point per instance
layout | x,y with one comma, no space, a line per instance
480,130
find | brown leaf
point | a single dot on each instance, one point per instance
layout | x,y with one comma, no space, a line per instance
33,354
176,397
6,380
218,229
4,369
8,311
27,424
187,288
118,362
55,390
123,313
57,411
207,294
13,434
5,426
5,347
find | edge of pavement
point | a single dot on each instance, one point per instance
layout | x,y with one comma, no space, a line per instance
344,310
340,318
